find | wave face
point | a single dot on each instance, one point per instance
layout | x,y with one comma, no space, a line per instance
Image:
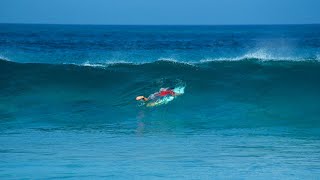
221,93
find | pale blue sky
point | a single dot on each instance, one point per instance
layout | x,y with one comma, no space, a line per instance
160,11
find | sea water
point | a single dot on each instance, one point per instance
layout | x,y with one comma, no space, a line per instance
250,108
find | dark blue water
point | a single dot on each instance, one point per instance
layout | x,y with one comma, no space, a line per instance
250,109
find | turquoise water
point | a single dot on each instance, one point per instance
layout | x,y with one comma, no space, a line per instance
250,108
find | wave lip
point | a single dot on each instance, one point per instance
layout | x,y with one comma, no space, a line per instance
261,55
113,63
171,60
4,58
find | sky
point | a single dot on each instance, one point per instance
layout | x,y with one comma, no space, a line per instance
160,12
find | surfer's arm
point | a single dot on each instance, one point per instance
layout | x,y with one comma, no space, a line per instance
138,98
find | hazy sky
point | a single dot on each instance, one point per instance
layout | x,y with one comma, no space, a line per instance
160,11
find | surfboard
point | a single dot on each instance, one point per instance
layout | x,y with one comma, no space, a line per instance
166,99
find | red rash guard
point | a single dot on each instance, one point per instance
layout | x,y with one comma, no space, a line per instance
166,92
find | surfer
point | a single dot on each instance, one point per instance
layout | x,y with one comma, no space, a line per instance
161,93
162,97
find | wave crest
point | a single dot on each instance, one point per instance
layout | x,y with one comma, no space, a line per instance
4,58
261,55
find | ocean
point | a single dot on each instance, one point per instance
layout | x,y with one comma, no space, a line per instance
250,108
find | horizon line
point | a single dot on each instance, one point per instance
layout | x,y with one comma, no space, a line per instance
85,24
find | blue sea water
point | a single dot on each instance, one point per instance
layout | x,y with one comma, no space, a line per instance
250,109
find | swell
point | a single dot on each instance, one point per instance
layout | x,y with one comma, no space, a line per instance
133,79
217,93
